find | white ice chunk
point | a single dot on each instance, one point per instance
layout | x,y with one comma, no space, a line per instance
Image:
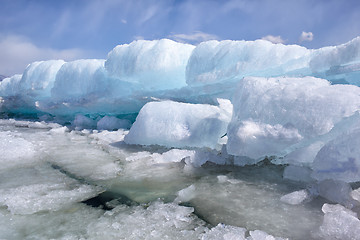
82,122
174,124
226,106
261,235
340,158
69,223
223,61
304,155
60,130
73,153
186,194
111,123
156,65
157,221
15,150
339,223
79,79
325,58
10,86
272,114
257,140
355,194
215,61
39,78
336,191
173,155
47,196
26,190
225,232
296,197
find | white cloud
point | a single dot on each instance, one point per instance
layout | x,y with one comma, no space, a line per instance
195,37
16,52
306,36
148,14
139,37
273,39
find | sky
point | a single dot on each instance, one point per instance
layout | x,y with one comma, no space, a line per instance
34,30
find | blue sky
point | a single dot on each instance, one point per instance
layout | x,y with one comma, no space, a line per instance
33,30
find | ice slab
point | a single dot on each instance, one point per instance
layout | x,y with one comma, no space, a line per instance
296,197
68,223
79,79
261,235
220,61
15,149
339,223
224,61
273,114
336,191
222,231
82,122
174,124
40,188
339,159
155,65
112,123
10,86
39,77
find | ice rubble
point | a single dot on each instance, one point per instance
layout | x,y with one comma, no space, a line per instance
41,199
339,223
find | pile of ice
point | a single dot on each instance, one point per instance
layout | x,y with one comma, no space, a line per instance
280,110
299,121
135,73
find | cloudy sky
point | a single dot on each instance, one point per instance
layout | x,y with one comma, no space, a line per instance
33,30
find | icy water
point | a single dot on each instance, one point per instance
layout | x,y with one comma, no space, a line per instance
61,184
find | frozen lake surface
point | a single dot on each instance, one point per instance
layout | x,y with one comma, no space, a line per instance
62,184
